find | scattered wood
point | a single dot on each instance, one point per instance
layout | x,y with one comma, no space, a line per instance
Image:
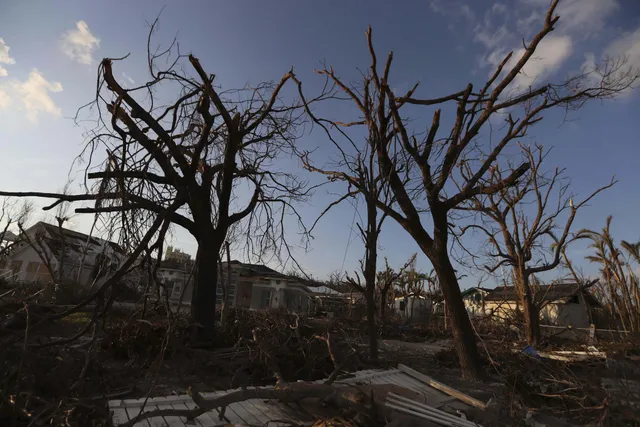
443,387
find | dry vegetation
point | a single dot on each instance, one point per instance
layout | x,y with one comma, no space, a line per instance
65,352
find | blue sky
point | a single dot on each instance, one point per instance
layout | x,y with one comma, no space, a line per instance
49,56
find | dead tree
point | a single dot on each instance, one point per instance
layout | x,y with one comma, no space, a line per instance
386,281
418,166
198,152
522,225
357,166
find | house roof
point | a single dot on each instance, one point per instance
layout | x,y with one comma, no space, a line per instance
73,243
552,292
472,291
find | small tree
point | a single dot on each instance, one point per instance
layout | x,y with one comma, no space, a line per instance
522,226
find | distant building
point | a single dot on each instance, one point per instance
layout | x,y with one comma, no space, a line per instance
413,308
45,252
563,304
474,300
252,286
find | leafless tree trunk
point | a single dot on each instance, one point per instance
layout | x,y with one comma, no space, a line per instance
418,166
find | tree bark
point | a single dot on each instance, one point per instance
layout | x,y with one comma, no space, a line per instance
531,312
203,298
225,287
371,323
383,304
463,334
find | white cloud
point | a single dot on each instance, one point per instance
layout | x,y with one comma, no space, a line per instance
35,95
4,99
584,15
79,44
627,48
551,53
498,8
491,39
628,45
5,58
579,17
467,12
128,79
436,6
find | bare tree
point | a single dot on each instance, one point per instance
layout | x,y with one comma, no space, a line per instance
418,166
201,151
13,217
387,279
357,166
527,227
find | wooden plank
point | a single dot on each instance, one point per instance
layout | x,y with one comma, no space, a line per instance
168,421
182,407
404,380
443,387
119,416
270,409
232,417
260,417
208,419
244,415
132,412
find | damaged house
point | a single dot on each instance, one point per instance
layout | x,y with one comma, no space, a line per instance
47,253
562,304
252,286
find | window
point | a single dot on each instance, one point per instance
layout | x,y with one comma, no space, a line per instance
32,270
16,266
177,290
265,298
402,304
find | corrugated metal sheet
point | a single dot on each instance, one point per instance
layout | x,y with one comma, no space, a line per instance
259,412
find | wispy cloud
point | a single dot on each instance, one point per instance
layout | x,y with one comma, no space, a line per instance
627,47
128,79
5,58
5,100
467,12
79,43
502,29
34,93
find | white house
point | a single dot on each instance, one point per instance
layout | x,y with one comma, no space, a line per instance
252,286
46,253
413,307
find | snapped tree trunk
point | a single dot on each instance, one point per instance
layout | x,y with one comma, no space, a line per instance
203,299
463,334
225,287
371,323
531,313
383,304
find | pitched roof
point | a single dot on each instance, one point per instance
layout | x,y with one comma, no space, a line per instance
471,291
552,292
74,244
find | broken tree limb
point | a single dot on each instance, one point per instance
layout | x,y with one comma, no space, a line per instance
443,387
